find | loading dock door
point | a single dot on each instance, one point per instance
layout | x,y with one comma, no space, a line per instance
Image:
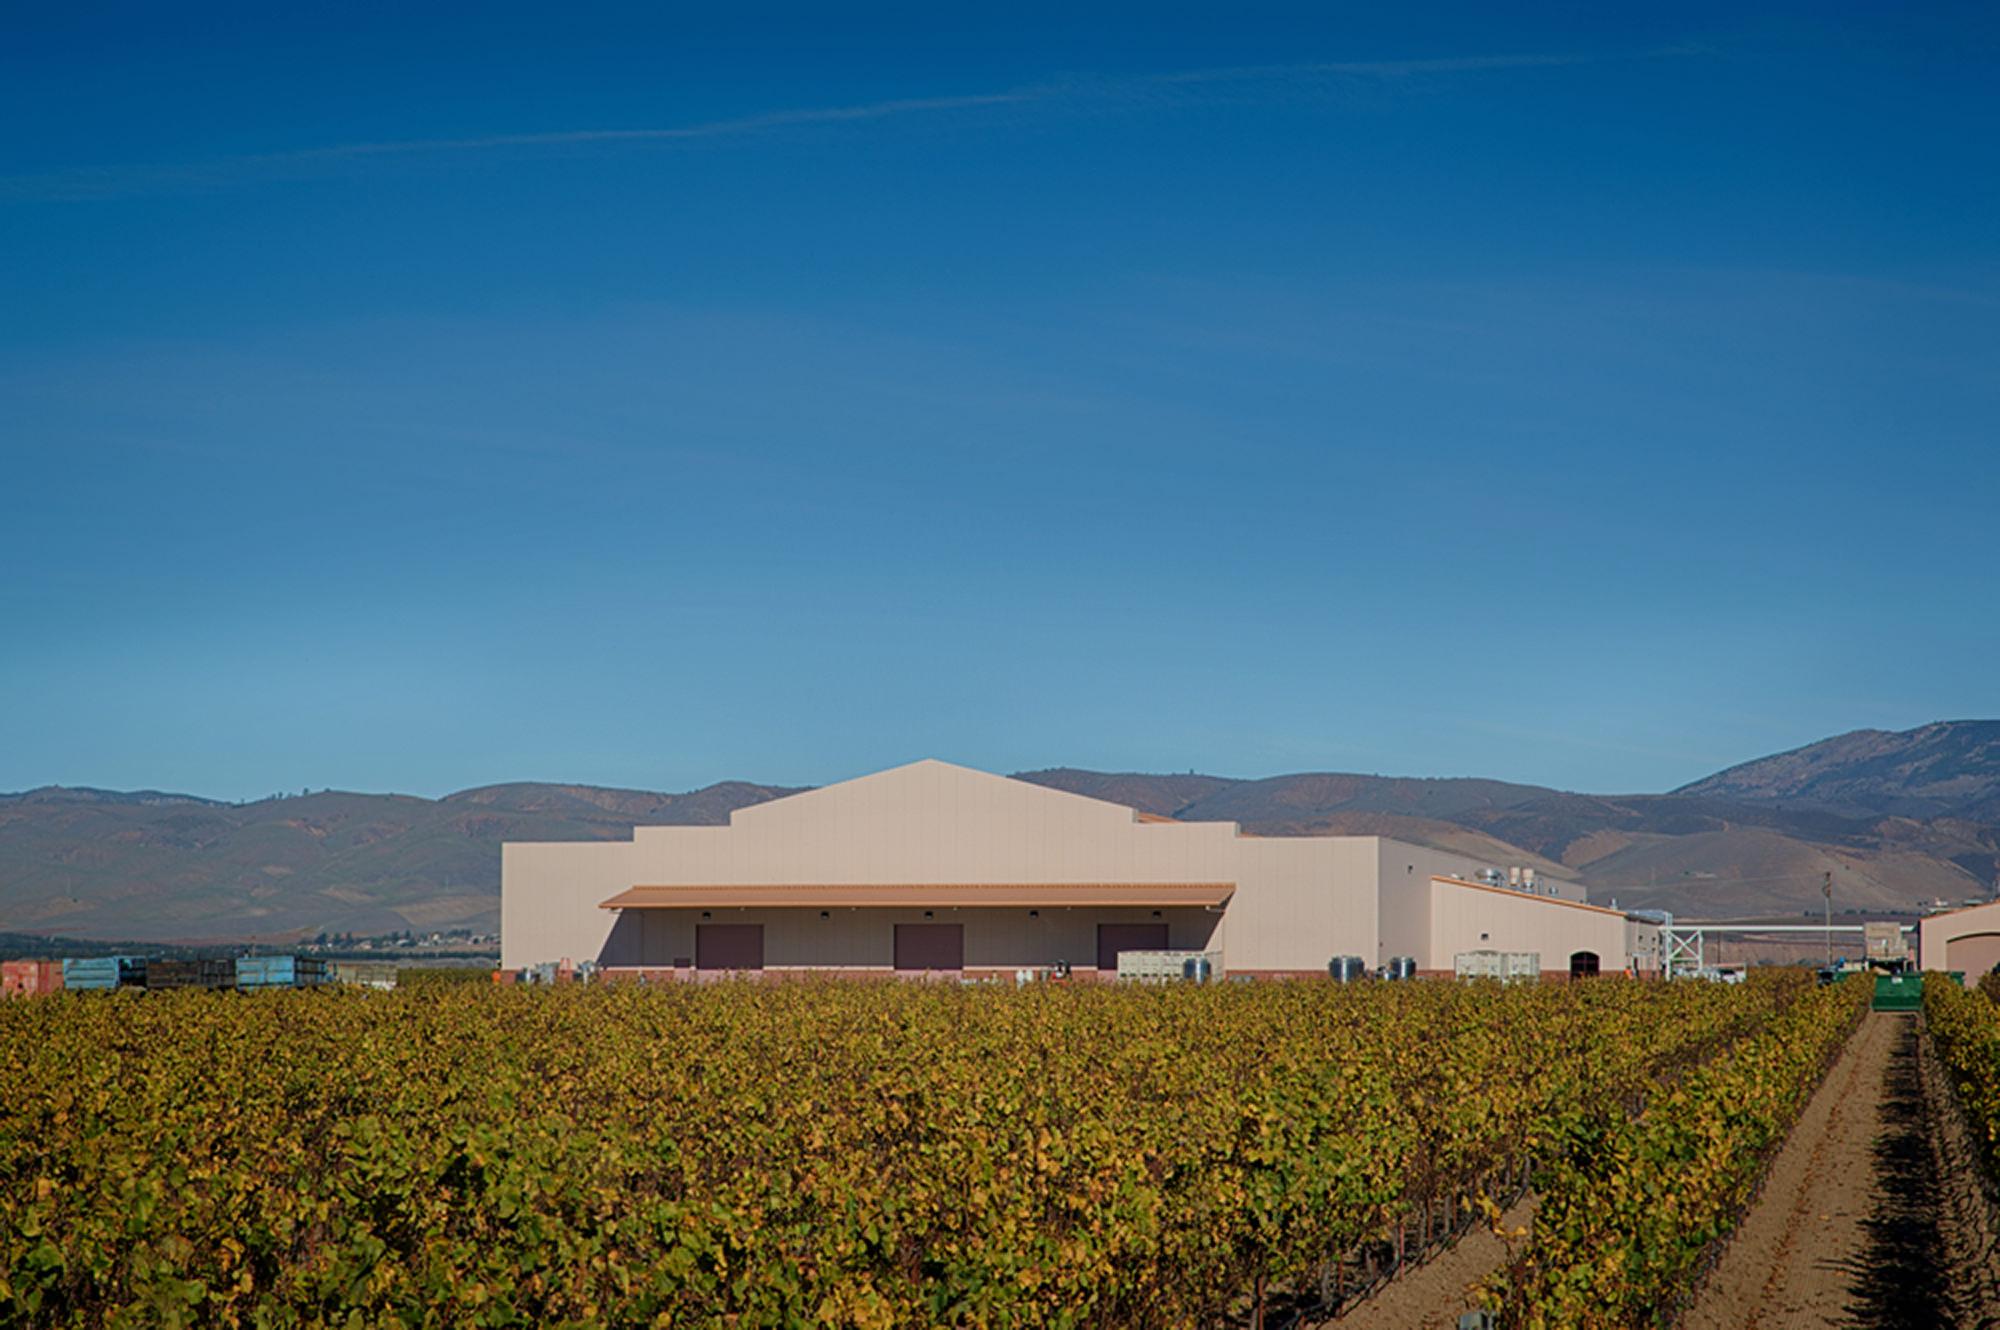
930,946
729,946
1114,938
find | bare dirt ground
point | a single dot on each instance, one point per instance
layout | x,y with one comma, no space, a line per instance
1872,1215
1788,1264
1434,1293
1967,1201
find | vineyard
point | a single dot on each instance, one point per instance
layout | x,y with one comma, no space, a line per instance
873,1155
1965,1027
1631,1204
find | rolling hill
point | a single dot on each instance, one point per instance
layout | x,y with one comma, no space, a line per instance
1896,818
1949,769
88,863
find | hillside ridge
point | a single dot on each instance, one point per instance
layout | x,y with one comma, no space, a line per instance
1898,818
1943,769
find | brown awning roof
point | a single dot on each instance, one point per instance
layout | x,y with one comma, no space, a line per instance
988,895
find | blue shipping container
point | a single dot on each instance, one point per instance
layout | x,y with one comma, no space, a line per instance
279,971
103,972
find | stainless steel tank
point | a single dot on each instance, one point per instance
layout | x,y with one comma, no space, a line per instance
1346,969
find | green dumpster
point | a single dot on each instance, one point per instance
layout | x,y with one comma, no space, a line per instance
1899,992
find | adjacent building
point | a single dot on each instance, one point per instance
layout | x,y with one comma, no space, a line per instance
1966,940
932,868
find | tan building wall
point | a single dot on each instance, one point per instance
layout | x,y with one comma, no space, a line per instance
1967,940
1299,901
1404,873
1642,946
1469,917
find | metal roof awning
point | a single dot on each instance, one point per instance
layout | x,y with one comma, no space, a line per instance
976,895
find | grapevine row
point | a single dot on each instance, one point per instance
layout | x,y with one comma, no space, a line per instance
1964,1029
1631,1205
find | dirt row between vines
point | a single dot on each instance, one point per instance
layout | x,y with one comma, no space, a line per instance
1788,1263
1874,1214
1434,1293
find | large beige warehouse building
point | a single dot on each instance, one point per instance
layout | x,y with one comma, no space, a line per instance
936,868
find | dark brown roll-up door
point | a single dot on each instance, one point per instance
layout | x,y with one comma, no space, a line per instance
729,946
1114,938
930,946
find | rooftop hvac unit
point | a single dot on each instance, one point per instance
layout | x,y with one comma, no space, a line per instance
1346,969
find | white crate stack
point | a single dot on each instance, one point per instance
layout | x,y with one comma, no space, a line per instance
1156,967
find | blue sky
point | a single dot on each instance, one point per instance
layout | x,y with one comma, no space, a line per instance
648,397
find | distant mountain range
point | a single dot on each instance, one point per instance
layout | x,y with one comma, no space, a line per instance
96,863
1897,818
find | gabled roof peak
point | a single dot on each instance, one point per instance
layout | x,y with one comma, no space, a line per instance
930,779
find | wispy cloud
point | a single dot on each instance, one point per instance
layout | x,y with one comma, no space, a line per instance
109,181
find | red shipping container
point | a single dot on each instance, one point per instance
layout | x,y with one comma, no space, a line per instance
30,978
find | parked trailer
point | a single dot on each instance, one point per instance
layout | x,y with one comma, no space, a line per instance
103,973
254,972
30,978
212,973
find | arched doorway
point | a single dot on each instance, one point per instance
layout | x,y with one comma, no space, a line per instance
1583,965
1973,953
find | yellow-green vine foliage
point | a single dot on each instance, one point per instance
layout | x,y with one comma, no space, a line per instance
1965,1030
1631,1205
1989,986
783,1154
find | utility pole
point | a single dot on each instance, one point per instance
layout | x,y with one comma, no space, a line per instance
1826,890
